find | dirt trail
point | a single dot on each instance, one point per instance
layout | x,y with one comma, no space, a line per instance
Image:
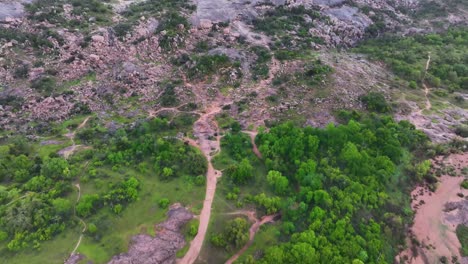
68,151
435,234
252,135
205,128
252,231
81,221
426,89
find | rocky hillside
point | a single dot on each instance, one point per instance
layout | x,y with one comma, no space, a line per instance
131,58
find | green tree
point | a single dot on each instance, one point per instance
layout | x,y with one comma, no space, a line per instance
278,182
241,173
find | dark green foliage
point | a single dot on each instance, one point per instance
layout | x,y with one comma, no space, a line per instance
289,27
202,46
407,57
21,71
35,40
52,11
340,208
208,65
314,72
241,172
376,102
462,234
237,145
260,68
45,85
462,131
155,8
464,184
234,236
35,202
122,29
169,98
164,203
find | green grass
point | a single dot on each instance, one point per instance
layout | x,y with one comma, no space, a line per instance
138,217
125,225
266,236
51,252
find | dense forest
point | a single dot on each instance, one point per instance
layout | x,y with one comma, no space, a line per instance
342,191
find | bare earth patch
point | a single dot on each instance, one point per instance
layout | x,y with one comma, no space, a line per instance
437,216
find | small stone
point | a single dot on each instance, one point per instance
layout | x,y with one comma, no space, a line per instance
206,23
98,38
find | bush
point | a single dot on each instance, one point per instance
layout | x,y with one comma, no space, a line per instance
462,131
375,102
44,85
164,203
464,184
462,234
122,29
21,72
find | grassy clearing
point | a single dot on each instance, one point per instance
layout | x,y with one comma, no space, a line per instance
53,251
267,236
115,239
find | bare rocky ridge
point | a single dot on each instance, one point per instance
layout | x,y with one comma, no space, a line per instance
162,248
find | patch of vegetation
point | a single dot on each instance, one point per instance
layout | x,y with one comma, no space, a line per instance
260,68
234,236
314,72
45,85
35,40
462,234
207,65
464,184
37,192
289,28
88,11
156,8
317,180
376,102
462,131
407,56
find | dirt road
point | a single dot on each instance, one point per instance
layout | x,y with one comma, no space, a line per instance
205,129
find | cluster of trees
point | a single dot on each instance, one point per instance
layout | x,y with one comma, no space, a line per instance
120,194
407,57
34,187
335,189
32,208
234,235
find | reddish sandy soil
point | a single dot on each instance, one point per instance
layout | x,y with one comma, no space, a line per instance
435,234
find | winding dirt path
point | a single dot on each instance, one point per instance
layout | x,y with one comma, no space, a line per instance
252,231
205,129
426,89
252,135
68,151
81,220
66,154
